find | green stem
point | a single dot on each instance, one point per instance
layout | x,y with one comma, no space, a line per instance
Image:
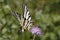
34,37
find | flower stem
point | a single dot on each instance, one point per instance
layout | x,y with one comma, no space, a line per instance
34,37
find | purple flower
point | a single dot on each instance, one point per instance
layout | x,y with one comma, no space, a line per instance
36,30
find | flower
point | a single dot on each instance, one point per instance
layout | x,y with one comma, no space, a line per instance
36,30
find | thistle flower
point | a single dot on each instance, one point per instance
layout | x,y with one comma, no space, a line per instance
36,30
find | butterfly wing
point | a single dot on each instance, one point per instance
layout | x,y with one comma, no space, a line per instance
19,17
27,18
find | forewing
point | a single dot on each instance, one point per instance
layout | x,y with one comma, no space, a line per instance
27,18
18,16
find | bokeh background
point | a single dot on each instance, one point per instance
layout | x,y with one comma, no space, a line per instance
45,13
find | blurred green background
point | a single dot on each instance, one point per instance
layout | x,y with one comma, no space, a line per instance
45,13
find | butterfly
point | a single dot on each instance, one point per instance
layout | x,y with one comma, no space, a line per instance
25,19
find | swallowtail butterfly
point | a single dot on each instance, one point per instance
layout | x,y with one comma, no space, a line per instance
25,20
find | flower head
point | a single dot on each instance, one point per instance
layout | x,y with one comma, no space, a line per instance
36,30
